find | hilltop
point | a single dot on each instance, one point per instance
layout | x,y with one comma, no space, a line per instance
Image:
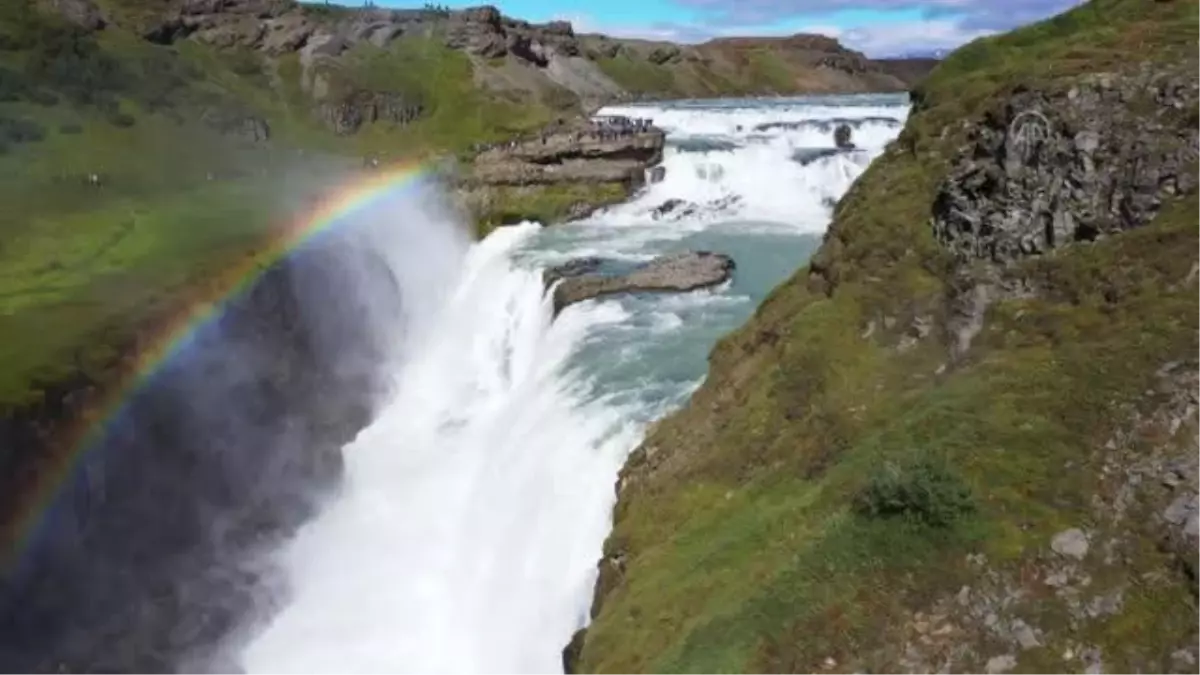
963,438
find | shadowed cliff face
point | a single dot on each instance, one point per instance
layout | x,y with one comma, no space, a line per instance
145,558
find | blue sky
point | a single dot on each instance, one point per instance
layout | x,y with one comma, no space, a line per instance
878,27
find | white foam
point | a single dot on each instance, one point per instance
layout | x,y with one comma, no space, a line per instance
475,506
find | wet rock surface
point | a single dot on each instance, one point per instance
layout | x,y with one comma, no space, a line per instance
580,279
678,209
144,559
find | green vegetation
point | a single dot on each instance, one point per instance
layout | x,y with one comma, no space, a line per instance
136,173
724,71
457,114
825,486
922,490
639,76
544,203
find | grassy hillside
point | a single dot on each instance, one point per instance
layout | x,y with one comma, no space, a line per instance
843,495
187,185
740,67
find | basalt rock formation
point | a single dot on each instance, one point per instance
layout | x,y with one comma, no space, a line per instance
580,280
570,155
589,165
1047,169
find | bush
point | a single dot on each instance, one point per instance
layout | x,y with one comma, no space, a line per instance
120,119
13,85
20,130
67,59
921,490
70,128
43,98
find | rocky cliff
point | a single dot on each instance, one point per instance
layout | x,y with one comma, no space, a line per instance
145,556
514,58
964,437
564,171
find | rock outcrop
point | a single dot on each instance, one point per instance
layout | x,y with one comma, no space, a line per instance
83,13
570,154
1047,169
552,54
1051,168
580,280
570,168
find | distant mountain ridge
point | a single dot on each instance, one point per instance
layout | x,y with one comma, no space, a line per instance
512,57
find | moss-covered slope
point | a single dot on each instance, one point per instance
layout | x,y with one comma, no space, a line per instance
960,440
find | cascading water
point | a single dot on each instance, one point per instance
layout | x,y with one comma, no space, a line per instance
474,508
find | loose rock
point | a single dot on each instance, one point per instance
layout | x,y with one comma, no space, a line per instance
1071,543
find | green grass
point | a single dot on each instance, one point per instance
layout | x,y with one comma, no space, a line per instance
74,288
84,270
745,543
640,76
544,204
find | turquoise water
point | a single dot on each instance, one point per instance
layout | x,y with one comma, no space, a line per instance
477,503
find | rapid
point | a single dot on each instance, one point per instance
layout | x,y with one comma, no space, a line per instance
466,534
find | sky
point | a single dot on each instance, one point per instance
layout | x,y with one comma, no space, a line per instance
877,27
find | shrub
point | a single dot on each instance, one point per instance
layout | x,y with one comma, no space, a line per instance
43,98
20,130
120,119
67,59
13,85
921,490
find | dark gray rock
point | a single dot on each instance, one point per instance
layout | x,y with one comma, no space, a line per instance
657,174
238,124
841,137
82,13
670,206
347,115
572,268
1052,168
676,272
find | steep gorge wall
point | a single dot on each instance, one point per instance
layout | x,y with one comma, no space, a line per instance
964,438
145,556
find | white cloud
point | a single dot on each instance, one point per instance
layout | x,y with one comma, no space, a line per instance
892,38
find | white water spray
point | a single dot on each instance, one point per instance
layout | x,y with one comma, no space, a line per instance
466,536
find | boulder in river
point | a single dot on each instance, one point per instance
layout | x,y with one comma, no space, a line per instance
841,137
675,272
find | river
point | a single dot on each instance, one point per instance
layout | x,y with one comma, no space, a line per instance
475,506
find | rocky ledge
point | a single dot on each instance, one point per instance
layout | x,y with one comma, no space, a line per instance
581,279
571,153
562,172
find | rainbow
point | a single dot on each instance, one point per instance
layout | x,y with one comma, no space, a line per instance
37,499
